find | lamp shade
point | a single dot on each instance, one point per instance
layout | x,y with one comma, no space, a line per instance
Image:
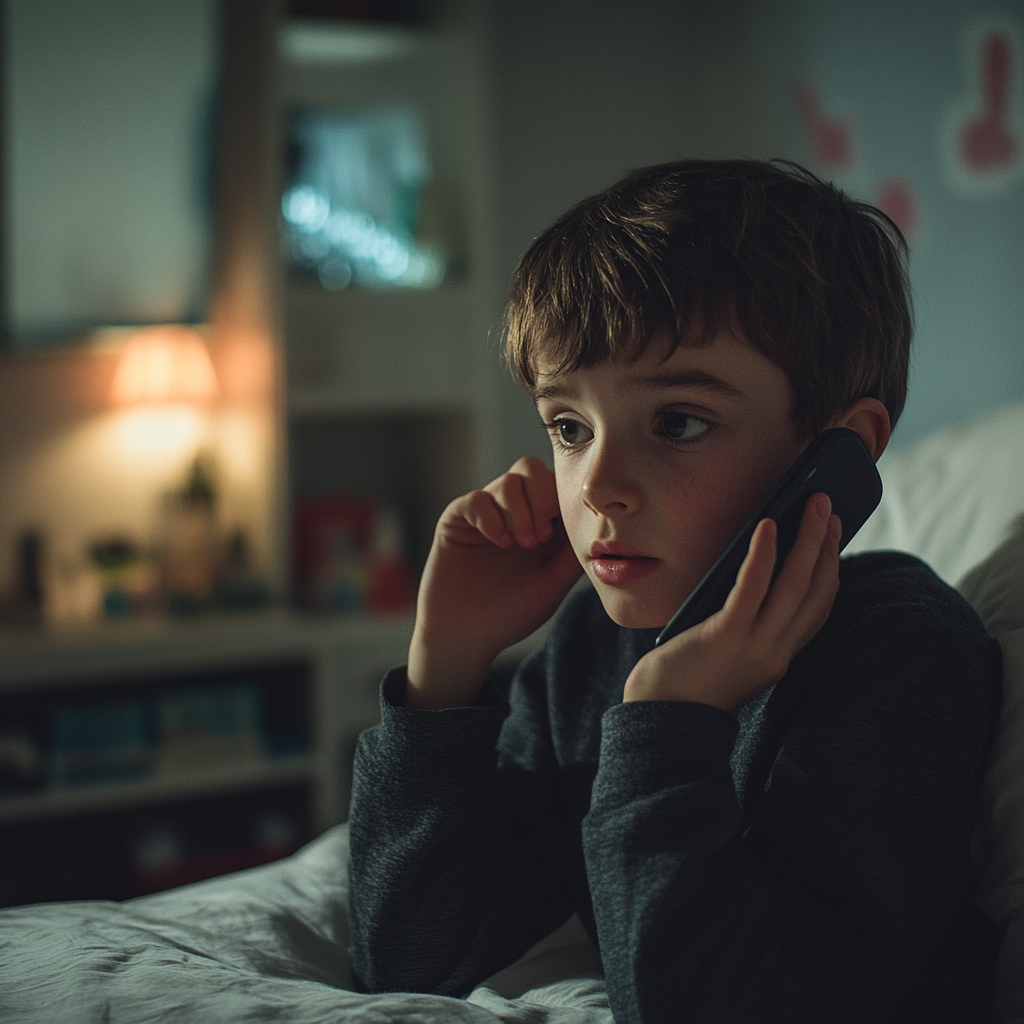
164,364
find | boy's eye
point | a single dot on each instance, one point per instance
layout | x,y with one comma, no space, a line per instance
682,426
569,433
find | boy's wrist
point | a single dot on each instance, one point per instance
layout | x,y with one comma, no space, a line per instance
648,686
444,672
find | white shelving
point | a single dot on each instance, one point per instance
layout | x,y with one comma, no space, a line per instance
362,351
346,659
333,44
367,353
335,666
149,792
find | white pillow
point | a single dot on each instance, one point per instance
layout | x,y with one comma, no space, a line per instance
950,498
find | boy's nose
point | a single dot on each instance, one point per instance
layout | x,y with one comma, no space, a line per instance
609,486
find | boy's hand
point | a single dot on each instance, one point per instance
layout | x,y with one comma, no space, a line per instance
747,646
498,569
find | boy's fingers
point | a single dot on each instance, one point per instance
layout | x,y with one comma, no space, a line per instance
754,579
794,580
481,511
528,499
541,494
510,495
822,590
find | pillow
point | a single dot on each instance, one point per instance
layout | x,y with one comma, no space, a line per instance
995,587
955,500
1000,863
950,498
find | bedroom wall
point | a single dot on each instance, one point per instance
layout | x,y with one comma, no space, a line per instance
584,91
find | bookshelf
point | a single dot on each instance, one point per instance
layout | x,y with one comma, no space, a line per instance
320,675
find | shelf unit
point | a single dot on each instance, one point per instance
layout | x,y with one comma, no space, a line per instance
384,387
364,351
341,660
198,784
346,658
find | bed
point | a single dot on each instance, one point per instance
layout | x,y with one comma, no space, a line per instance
270,944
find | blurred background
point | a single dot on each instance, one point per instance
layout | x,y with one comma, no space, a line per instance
253,258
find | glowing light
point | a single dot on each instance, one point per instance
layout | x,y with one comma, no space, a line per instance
344,245
161,364
307,208
160,430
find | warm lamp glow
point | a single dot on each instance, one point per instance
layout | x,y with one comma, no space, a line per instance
158,431
165,364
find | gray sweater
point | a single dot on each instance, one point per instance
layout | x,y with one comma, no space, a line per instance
805,858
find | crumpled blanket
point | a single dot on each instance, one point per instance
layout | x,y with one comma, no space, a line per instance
268,944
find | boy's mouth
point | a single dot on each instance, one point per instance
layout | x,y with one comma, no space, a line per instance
619,565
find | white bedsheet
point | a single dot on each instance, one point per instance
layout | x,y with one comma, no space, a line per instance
268,944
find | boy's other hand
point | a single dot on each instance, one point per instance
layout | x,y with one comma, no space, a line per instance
746,647
498,569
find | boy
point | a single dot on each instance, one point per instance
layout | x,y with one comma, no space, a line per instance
768,817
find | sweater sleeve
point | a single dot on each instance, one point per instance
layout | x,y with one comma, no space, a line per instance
825,899
456,867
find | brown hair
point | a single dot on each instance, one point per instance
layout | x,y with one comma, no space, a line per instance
812,279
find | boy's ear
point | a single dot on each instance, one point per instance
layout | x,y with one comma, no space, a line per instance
871,420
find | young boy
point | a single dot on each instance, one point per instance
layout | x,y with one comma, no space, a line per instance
768,817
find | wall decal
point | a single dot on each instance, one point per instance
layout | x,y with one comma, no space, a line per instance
833,146
986,140
895,197
982,133
831,137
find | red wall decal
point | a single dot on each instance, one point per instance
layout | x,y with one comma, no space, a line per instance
895,197
831,137
986,141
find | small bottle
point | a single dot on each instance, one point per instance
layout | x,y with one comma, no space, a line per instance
190,554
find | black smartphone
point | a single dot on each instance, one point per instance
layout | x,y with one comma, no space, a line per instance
836,462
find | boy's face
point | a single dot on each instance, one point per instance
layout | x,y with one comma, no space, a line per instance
660,463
